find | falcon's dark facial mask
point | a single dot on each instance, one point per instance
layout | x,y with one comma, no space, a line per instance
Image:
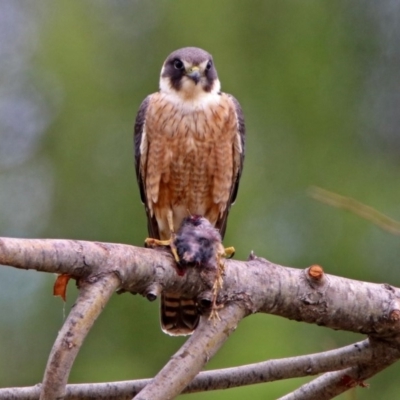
189,69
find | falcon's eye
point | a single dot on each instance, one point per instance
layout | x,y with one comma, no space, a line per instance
209,65
178,64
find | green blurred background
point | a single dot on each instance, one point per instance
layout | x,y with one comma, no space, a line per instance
319,85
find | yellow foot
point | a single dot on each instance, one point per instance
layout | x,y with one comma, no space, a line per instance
151,242
229,252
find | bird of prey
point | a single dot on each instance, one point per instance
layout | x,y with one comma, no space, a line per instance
189,150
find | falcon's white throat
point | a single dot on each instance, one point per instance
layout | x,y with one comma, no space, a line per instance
190,96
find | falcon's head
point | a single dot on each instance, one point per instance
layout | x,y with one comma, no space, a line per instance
189,72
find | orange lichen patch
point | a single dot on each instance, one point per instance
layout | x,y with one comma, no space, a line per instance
316,272
60,286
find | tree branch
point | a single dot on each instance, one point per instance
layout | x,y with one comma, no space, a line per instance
208,337
360,353
93,297
347,203
257,285
332,384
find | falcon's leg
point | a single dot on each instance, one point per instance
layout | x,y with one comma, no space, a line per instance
173,235
173,247
151,242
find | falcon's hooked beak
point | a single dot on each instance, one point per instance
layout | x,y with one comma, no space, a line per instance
194,74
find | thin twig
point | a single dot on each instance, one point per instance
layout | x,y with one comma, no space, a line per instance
354,206
332,384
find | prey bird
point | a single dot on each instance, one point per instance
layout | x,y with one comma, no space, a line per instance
199,244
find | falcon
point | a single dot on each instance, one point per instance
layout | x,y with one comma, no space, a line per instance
189,150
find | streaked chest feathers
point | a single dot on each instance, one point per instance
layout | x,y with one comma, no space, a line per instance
190,156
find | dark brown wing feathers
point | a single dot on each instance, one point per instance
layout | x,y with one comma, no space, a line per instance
222,221
138,137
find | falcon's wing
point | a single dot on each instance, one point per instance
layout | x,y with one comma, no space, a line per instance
141,149
238,151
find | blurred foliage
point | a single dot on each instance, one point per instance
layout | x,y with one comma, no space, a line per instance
302,72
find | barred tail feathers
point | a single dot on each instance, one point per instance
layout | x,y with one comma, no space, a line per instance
179,315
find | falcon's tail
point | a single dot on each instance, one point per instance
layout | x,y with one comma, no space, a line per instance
179,315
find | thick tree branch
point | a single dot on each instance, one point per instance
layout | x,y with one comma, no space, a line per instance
259,285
